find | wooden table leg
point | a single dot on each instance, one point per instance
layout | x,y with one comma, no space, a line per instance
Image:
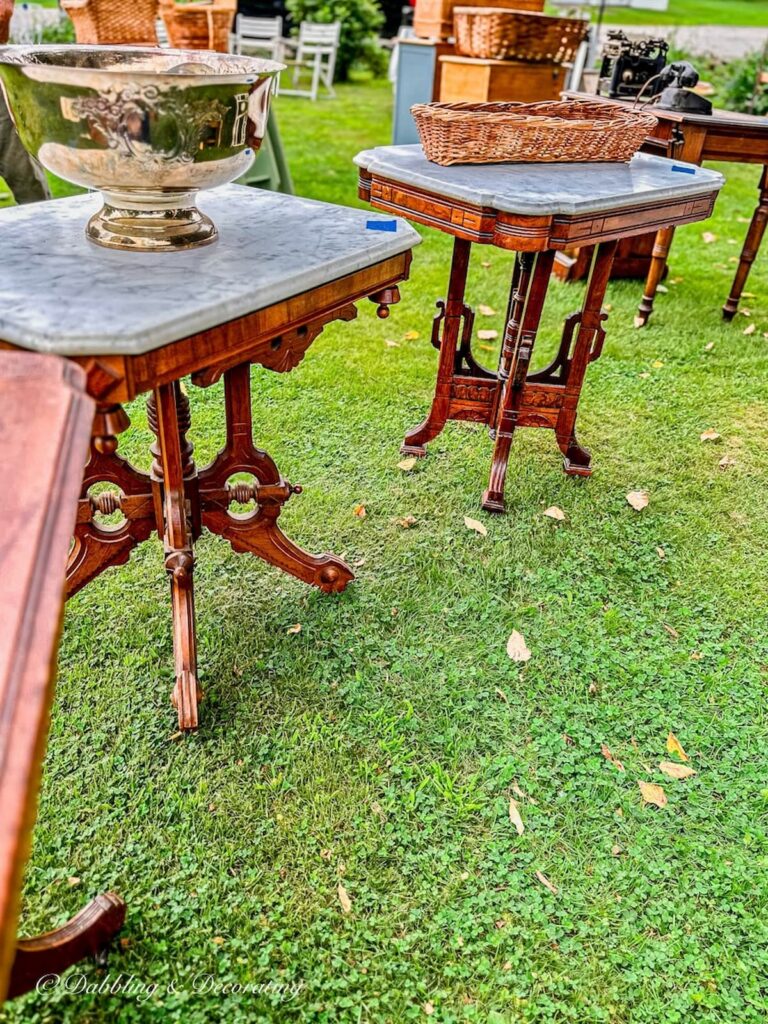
750,250
519,338
257,532
166,412
587,347
656,270
447,330
88,933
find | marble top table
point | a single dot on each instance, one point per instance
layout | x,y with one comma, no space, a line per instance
282,269
535,210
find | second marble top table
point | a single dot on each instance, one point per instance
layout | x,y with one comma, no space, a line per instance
535,210
282,269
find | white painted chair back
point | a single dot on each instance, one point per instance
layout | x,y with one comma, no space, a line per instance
262,34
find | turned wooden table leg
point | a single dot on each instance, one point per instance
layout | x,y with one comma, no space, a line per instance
446,335
88,933
655,273
750,250
517,349
587,347
168,416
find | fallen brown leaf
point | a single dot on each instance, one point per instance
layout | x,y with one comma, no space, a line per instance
514,816
501,695
486,310
411,335
616,851
605,750
749,330
407,464
407,522
360,511
487,335
523,796
429,1008
553,512
218,940
546,883
476,525
295,628
391,344
709,346
710,434
344,900
657,364
638,500
671,630
675,770
72,881
653,794
708,238
661,552
516,647
726,462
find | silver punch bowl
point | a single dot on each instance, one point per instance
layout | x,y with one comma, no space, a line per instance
146,127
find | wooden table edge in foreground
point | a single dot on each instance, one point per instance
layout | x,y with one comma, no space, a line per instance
510,397
44,461
176,498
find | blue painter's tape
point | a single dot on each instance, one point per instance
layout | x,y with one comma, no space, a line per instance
683,170
381,225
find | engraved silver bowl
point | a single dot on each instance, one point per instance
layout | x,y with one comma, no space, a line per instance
146,127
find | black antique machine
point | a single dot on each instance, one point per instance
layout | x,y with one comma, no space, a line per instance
676,82
631,66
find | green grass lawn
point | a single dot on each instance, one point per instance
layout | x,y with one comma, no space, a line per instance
378,747
694,12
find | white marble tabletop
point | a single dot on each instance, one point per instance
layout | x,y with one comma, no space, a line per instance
61,293
538,189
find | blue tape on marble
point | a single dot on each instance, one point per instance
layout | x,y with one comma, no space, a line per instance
381,225
683,170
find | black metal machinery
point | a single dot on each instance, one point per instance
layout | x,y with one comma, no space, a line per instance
630,64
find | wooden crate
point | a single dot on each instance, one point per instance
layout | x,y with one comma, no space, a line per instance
484,81
433,19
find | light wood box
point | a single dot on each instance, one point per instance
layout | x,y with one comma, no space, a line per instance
467,79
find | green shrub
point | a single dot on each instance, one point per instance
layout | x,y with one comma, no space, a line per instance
739,90
360,23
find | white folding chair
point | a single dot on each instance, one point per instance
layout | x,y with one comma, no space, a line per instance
262,34
316,49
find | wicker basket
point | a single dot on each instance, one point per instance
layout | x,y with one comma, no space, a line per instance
433,19
554,131
493,33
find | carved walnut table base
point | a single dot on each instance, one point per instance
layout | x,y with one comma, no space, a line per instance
283,269
535,210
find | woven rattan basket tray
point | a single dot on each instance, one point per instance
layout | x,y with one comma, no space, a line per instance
554,131
493,33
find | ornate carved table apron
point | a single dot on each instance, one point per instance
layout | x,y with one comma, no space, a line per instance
722,135
283,268
535,210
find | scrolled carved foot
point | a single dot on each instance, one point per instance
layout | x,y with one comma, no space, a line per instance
577,460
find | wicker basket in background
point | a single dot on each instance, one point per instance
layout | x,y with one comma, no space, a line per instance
553,131
493,33
433,19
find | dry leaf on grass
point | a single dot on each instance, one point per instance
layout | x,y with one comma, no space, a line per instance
661,552
516,647
671,630
523,796
674,746
514,816
218,940
485,264
295,628
606,752
616,851
708,238
675,770
638,500
487,335
709,346
486,348
653,794
360,511
749,330
726,461
501,695
662,289
407,522
411,336
553,512
391,344
546,882
344,900
407,464
429,1008
476,525
657,364
72,881
644,376
710,434
486,310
